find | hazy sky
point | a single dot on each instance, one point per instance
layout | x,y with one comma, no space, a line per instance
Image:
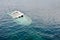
31,3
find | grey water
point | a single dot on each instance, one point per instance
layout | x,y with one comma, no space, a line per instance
45,15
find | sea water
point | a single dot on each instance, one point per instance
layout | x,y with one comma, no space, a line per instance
45,20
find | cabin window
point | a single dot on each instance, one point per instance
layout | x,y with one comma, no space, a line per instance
21,15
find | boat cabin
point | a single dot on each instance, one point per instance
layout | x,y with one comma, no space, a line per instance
17,14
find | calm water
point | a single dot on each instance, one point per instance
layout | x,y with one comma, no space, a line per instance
45,15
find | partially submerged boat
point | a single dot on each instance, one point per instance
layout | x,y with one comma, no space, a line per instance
16,14
20,18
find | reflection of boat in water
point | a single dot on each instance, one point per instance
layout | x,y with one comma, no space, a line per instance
20,18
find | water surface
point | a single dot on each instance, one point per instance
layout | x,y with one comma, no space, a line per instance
44,13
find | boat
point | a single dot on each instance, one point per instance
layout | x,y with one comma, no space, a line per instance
17,14
20,18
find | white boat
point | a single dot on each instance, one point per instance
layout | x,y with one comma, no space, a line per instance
21,18
16,14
